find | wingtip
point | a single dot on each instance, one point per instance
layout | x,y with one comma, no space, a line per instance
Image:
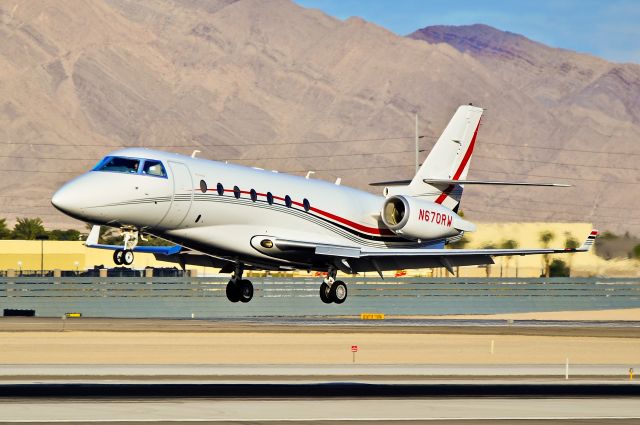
588,243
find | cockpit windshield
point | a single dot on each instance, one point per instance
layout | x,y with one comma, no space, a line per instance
117,164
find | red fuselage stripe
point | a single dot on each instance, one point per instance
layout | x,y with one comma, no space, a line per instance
354,225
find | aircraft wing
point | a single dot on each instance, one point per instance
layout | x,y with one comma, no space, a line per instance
494,252
92,242
353,258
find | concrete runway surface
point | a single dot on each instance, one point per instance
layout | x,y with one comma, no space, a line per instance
76,385
323,410
306,373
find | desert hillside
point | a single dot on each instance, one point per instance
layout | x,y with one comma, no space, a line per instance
271,84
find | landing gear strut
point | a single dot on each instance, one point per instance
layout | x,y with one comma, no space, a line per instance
331,290
239,289
125,256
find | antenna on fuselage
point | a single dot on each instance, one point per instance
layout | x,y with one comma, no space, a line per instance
195,153
309,174
338,181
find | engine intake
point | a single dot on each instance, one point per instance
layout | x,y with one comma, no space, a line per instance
413,218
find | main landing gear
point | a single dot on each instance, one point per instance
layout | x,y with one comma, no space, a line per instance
239,289
331,290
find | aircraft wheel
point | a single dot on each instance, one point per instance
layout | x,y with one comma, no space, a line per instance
118,257
338,292
245,289
127,257
233,292
324,294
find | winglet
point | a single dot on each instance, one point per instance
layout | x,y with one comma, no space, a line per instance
588,243
94,234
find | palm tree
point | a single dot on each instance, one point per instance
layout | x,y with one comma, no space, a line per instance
5,233
28,228
508,244
459,244
570,243
545,238
488,245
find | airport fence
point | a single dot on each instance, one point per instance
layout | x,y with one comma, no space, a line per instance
205,297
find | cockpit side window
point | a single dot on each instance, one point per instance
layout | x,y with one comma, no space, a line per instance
153,168
119,165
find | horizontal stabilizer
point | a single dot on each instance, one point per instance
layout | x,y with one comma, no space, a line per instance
490,182
391,183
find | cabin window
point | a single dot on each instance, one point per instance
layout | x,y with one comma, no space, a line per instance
269,198
220,189
236,192
254,195
153,168
287,201
119,165
306,204
203,186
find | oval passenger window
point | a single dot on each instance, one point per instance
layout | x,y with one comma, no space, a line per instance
254,195
203,186
287,201
269,198
306,204
220,189
236,192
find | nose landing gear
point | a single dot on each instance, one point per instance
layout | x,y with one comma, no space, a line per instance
123,256
239,289
331,290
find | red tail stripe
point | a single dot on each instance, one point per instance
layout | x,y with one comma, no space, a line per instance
461,168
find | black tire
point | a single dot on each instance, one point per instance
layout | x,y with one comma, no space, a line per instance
118,257
127,257
338,292
324,294
233,292
245,289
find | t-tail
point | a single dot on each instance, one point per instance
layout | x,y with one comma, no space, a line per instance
448,160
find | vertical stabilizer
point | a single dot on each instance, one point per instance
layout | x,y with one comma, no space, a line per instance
449,159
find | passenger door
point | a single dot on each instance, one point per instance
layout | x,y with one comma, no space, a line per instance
182,195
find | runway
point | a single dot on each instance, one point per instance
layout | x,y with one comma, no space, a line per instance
341,324
313,374
318,410
301,370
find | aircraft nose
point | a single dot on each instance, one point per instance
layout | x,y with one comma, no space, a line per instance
66,201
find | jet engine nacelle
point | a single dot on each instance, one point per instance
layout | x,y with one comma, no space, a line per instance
413,218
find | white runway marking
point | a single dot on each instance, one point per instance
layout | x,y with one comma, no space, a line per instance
465,418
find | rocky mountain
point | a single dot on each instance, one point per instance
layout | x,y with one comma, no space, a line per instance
274,85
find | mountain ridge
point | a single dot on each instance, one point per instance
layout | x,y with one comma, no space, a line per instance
250,81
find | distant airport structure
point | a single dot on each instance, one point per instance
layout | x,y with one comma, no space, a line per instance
71,256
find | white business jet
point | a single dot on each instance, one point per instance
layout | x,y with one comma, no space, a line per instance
238,218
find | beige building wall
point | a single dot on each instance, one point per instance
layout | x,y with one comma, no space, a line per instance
62,255
527,235
73,255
